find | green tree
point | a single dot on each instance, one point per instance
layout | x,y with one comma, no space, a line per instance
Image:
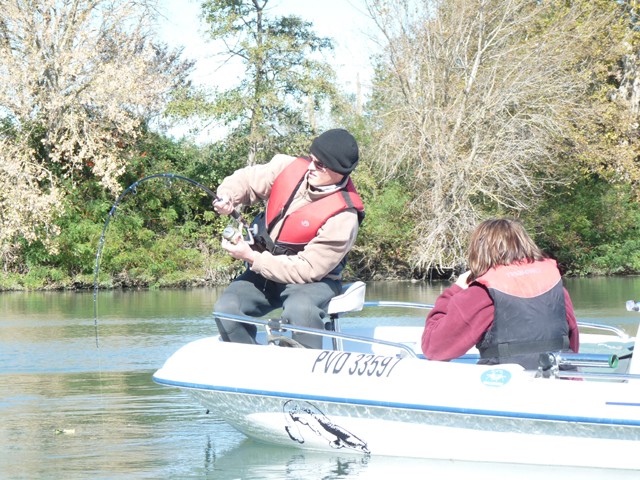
603,143
285,82
590,223
590,226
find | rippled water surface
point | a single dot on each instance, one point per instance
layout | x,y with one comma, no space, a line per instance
77,399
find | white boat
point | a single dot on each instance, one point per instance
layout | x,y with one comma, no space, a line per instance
371,391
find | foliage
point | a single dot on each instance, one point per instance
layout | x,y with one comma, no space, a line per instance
470,102
161,233
384,238
479,108
285,81
590,227
171,233
604,141
77,80
591,223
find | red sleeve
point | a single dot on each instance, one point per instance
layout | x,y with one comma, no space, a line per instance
457,322
574,334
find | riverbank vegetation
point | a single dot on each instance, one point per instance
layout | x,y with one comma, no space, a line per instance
477,108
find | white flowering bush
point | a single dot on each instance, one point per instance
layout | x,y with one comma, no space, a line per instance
78,79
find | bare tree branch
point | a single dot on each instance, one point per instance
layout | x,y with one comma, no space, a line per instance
470,99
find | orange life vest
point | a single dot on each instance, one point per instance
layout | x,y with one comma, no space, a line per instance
529,316
301,226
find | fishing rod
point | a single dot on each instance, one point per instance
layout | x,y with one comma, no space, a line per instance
230,232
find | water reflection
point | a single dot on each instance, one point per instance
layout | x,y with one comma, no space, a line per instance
252,460
71,410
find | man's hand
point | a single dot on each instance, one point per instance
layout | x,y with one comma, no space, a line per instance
223,205
239,250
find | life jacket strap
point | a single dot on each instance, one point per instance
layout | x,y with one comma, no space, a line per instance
505,350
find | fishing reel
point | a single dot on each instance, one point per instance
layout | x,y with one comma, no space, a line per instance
236,230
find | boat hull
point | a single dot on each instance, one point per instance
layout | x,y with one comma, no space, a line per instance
381,404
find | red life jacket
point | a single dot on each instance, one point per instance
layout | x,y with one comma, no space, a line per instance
530,314
301,226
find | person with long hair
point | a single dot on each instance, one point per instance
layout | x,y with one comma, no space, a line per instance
511,303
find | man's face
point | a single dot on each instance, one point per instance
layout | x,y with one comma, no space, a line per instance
320,175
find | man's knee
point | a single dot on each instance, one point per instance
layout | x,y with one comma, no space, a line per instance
303,314
227,304
232,331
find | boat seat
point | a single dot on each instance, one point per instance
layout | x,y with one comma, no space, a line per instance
351,299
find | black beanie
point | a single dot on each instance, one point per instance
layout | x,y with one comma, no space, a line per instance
337,150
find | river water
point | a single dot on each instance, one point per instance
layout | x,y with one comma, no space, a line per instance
77,400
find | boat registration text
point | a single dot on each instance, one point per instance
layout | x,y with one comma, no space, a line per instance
360,364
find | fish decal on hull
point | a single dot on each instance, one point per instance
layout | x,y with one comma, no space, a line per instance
303,416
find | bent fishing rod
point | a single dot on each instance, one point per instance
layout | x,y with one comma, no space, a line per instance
229,233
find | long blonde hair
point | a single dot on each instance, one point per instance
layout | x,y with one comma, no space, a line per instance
500,241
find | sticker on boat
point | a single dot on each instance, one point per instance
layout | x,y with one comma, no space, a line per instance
496,377
305,418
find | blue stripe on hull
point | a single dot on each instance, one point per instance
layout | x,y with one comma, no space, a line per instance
413,406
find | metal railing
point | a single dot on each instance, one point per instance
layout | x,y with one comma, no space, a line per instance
338,337
278,326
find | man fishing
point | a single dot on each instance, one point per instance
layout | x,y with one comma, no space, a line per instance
310,223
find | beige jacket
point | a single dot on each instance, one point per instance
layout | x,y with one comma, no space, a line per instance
321,255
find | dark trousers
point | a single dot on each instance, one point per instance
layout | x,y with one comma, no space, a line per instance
252,295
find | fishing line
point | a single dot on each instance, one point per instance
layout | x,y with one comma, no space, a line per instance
133,188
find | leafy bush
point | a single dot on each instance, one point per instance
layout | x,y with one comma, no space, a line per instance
381,250
591,227
157,233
